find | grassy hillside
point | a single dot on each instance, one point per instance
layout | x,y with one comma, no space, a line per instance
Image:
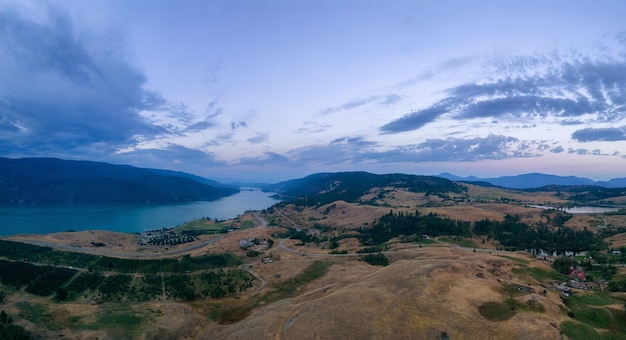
388,256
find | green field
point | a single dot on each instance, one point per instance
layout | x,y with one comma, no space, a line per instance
463,242
502,311
231,313
595,316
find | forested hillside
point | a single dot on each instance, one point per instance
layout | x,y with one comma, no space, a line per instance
511,232
33,181
351,186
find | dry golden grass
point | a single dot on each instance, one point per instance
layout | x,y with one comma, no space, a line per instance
114,241
423,292
617,241
479,193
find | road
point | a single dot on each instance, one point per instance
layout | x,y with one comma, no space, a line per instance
247,267
282,246
261,220
263,223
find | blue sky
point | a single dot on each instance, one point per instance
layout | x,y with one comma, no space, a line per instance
274,90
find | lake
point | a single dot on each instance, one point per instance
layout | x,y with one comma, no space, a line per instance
126,218
579,209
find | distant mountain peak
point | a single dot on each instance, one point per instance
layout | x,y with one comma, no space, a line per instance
537,180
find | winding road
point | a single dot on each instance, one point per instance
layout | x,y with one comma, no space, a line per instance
262,224
262,221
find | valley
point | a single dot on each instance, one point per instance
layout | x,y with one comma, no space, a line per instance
326,273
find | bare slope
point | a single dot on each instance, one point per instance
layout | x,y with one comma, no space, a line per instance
429,294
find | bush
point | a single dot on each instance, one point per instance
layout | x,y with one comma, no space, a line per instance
338,252
10,331
376,259
496,311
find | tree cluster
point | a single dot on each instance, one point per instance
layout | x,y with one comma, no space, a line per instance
514,234
23,252
511,232
38,280
393,225
376,259
10,331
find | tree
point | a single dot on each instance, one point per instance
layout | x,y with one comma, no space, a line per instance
562,265
61,294
376,259
333,244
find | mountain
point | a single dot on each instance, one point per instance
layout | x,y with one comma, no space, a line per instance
195,178
537,180
613,183
351,186
33,181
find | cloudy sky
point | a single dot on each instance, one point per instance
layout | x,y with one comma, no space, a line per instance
272,90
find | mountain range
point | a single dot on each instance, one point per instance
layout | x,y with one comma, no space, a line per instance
537,180
34,181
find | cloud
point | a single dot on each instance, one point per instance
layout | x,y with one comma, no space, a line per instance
266,159
473,149
312,127
385,100
212,112
358,150
415,120
600,134
63,89
450,65
236,125
572,122
578,151
458,150
172,157
201,125
534,88
527,106
340,150
558,149
259,138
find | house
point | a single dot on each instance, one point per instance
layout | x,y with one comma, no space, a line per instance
245,243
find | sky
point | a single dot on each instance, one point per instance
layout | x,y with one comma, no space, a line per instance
269,90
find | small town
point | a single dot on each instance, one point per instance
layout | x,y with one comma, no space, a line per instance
165,237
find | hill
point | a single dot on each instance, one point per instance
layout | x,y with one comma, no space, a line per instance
424,294
452,270
34,181
537,180
350,187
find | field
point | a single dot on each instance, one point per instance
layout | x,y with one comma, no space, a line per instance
434,288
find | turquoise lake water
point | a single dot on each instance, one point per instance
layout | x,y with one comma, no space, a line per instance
126,218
